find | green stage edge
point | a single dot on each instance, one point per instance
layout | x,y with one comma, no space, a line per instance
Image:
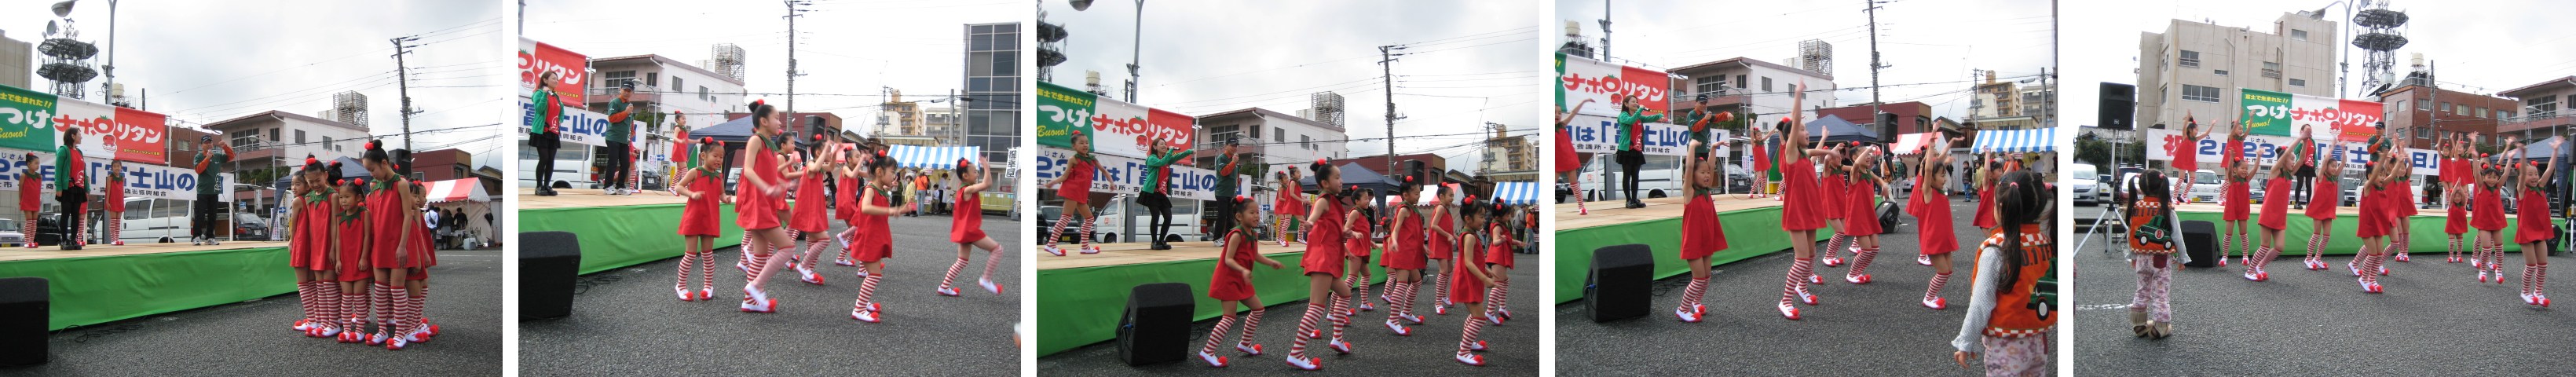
2427,234
620,236
101,289
1749,233
1080,306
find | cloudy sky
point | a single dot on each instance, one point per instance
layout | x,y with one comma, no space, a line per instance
2487,48
1933,46
849,49
1473,62
206,61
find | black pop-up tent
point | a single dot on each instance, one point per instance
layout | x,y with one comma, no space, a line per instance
1842,131
1354,175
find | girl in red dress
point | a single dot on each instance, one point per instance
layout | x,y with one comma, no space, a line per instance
1327,298
1443,224
348,261
2235,197
1469,290
700,220
1832,201
2455,179
1803,211
1074,186
2325,196
760,207
1404,257
1755,139
31,190
417,281
966,227
1290,200
811,218
2534,232
391,253
1992,171
1567,161
2276,214
1498,263
305,247
2376,218
1357,248
2186,154
114,191
1232,284
1931,210
1860,217
1702,234
2486,214
877,242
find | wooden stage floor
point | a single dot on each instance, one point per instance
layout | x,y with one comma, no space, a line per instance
1112,254
570,198
54,252
1611,212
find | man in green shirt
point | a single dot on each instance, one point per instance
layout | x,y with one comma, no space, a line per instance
620,134
210,181
1228,166
1158,183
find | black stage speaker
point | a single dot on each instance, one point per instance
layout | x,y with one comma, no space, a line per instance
2200,238
1156,327
1618,286
26,306
548,263
2119,107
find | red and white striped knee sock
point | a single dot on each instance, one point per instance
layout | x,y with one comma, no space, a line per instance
304,300
1086,231
1251,322
707,271
1058,232
1469,336
1442,291
326,308
1341,315
953,269
28,227
2400,243
2226,245
2264,262
1860,263
2495,258
1361,289
2370,267
420,305
382,303
2316,244
1934,290
1305,325
115,228
868,291
2540,286
1576,185
687,261
1218,334
1502,293
1833,246
1797,278
815,251
2530,272
1691,295
353,308
994,258
1396,302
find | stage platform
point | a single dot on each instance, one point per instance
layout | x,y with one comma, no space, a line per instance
1080,296
1752,229
616,230
103,283
2426,227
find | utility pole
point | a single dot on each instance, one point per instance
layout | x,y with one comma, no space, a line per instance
1136,53
109,89
792,14
1386,66
402,77
1872,10
1605,36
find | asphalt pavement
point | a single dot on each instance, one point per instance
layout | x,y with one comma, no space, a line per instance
2434,319
252,338
1513,345
1875,329
627,321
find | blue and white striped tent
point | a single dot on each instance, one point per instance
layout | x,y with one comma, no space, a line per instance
2030,140
907,156
1517,193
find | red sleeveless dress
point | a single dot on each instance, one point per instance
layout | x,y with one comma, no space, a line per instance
813,207
2324,196
1801,205
388,246
1077,181
2533,215
1226,284
700,217
1407,251
1324,243
846,200
1566,159
1358,247
2374,212
1834,194
1860,211
754,210
2234,200
353,244
1985,208
966,224
1702,233
2487,209
875,241
1500,252
1932,209
2276,204
1464,288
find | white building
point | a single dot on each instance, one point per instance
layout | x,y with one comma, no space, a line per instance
1271,136
1745,81
2196,68
299,134
668,85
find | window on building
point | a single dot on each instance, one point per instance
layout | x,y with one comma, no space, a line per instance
2189,59
1278,135
2401,106
650,79
2542,106
272,134
1221,134
2423,104
1708,85
2446,107
1766,85
328,146
2271,70
2220,72
2423,132
2481,112
2298,82
2199,93
1739,81
2296,34
1306,141
299,136
675,84
2462,110
613,79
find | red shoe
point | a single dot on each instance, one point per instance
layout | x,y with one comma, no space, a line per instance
1806,298
1212,360
1051,249
1686,315
1856,279
808,275
1787,311
301,325
1305,363
1469,359
1248,348
1339,345
947,291
1476,346
1831,260
1399,329
1923,259
1814,279
1937,303
864,316
396,343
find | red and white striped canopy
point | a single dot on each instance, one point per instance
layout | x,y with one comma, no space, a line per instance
469,189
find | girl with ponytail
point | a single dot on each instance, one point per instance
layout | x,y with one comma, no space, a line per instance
1702,234
2013,305
703,186
759,207
877,242
966,227
1232,284
1328,298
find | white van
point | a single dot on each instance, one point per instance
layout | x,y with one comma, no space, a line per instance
149,220
572,165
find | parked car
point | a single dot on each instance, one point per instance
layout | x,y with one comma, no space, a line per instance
10,235
2204,187
2084,185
